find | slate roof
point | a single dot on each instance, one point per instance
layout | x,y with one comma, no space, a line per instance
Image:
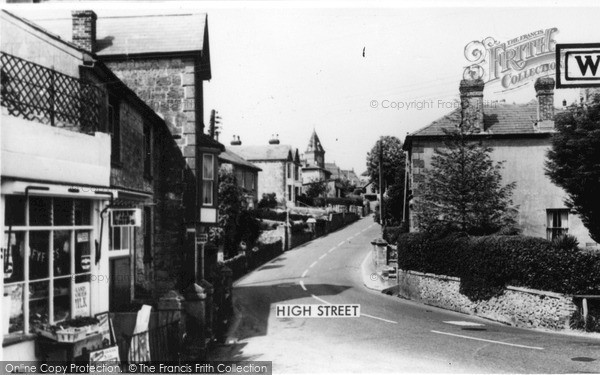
334,170
499,118
138,34
230,157
314,144
266,152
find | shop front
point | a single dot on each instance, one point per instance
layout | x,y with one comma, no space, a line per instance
52,260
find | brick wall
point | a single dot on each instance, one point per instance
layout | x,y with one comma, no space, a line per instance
169,87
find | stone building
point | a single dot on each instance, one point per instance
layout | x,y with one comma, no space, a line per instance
520,136
164,59
81,150
246,175
280,169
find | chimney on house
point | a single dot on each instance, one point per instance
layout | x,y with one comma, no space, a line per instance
274,140
236,142
84,29
544,91
471,102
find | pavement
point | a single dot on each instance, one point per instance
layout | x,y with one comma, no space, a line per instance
391,335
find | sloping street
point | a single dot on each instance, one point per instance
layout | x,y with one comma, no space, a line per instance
391,335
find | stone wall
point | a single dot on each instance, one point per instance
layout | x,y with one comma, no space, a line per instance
517,307
172,188
129,173
168,86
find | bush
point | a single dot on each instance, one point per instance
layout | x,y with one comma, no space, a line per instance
268,201
487,264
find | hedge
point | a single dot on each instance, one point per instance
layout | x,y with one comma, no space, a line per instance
268,214
487,264
323,202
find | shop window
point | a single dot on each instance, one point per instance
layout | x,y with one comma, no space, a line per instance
47,254
208,177
557,223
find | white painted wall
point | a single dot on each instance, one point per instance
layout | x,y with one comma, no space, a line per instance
31,150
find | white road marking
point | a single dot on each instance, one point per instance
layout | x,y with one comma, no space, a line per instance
490,341
341,243
329,303
463,323
323,256
302,285
374,317
304,273
351,237
330,250
313,264
320,299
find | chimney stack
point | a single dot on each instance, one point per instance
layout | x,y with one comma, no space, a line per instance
236,142
544,89
471,102
84,29
274,140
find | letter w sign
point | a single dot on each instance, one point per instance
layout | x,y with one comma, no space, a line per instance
577,65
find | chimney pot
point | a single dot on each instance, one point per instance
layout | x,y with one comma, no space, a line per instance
471,100
84,29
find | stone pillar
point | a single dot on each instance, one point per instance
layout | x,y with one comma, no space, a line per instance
170,309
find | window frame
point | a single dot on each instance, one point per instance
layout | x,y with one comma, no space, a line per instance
147,150
114,128
50,278
208,179
552,232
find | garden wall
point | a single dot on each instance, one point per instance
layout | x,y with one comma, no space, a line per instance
519,307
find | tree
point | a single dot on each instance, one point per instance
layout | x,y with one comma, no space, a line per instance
393,162
235,223
573,162
316,188
463,189
393,177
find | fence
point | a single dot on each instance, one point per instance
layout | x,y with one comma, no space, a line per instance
34,92
164,343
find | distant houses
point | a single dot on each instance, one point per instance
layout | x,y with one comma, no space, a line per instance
280,169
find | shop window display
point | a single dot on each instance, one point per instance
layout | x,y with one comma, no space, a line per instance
48,253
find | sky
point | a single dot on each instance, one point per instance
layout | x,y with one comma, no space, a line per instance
290,67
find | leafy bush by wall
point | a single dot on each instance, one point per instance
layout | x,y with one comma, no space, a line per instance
487,264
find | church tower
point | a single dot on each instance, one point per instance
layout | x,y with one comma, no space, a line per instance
315,154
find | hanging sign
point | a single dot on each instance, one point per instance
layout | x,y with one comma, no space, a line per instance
126,217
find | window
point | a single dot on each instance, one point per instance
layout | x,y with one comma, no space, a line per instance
557,223
208,177
289,170
289,197
147,151
147,235
47,261
249,180
114,128
296,172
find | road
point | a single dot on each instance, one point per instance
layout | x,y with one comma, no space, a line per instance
392,335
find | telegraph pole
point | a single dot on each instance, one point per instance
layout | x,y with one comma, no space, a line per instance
381,208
